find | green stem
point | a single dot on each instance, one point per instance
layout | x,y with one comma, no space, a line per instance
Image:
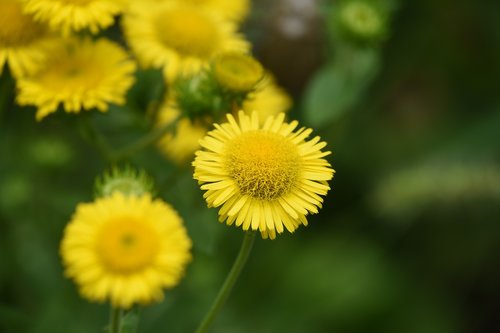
231,279
7,86
97,138
115,318
143,142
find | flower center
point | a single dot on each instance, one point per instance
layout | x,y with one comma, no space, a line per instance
126,245
73,71
17,28
77,2
188,32
265,165
238,72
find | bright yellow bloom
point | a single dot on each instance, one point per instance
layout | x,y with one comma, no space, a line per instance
75,15
264,177
125,249
24,43
267,100
180,145
235,10
81,75
179,38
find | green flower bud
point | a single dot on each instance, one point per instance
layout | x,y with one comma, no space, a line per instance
127,181
361,21
237,72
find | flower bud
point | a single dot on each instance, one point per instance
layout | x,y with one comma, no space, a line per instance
237,72
127,181
361,21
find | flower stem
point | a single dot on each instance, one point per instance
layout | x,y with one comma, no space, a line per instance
96,138
239,263
143,142
115,318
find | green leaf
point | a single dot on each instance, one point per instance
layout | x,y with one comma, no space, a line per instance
339,85
130,321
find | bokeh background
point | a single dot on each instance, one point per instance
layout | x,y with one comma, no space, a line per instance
408,239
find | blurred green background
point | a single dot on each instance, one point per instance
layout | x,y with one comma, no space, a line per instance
408,239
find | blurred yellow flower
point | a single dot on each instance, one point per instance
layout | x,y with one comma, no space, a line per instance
75,15
268,99
125,249
264,177
235,10
178,37
180,145
24,43
81,75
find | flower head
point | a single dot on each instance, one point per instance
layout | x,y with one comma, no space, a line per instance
264,177
75,15
81,75
235,10
178,37
125,249
24,43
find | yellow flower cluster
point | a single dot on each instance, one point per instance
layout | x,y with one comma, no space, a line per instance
263,172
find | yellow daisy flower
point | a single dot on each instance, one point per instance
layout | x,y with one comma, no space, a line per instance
75,15
264,177
178,37
179,146
125,249
268,100
24,43
81,75
235,10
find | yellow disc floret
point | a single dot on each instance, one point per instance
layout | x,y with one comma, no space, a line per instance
189,32
263,164
126,245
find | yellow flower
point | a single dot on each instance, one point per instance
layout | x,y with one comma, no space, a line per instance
179,38
81,75
264,177
125,249
24,43
75,15
267,100
237,72
235,10
179,146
